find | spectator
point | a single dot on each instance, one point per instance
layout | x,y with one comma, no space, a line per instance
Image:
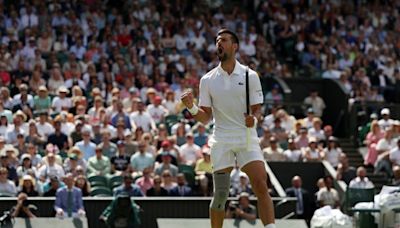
242,186
109,148
51,187
302,140
332,152
128,187
189,152
273,152
292,153
361,181
166,158
328,196
168,181
7,187
204,170
98,165
26,165
385,122
345,172
316,130
86,146
23,209
312,153
51,168
141,118
315,102
58,138
304,200
181,189
371,141
69,199
200,135
394,155
142,159
27,185
120,162
145,182
83,184
157,189
243,209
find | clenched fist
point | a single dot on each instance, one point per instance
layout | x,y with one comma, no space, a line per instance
187,99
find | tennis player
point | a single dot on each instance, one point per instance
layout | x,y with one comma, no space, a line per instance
223,97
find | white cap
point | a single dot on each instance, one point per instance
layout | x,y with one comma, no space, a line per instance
385,111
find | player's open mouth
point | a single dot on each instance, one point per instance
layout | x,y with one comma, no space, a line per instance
220,50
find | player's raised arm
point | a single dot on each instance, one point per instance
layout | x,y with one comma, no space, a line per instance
202,114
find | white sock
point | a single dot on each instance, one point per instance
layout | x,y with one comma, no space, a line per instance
271,225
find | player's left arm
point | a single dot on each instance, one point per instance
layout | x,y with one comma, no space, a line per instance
256,99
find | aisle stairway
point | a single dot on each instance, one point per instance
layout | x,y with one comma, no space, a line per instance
356,160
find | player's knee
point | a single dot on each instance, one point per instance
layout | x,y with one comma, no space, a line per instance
221,191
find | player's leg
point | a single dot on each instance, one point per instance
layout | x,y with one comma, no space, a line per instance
221,192
257,174
223,160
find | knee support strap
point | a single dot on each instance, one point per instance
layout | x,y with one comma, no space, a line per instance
222,182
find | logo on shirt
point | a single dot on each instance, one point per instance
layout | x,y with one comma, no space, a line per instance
241,83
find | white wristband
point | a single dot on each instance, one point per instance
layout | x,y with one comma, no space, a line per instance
255,122
194,110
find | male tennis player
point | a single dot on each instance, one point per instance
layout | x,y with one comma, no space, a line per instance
223,96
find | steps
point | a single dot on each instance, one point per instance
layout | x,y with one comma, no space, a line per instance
356,160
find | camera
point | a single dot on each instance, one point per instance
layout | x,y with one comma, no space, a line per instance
233,205
6,218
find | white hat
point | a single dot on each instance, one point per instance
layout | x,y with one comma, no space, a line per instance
385,111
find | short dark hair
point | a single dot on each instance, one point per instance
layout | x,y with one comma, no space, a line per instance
235,38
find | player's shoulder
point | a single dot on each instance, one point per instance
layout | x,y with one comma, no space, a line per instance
209,75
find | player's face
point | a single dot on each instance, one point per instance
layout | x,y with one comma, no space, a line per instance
225,47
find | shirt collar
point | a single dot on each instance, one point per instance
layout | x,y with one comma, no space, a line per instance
238,70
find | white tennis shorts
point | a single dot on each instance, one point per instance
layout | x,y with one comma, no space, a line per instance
224,155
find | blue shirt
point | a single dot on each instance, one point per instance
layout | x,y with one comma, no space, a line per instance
62,199
88,150
133,190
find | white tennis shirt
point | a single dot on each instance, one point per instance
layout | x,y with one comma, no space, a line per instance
226,95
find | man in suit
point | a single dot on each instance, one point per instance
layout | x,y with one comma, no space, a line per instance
69,199
303,208
181,189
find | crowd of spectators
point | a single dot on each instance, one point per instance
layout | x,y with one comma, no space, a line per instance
91,88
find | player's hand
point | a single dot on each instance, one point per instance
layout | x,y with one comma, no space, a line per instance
249,120
187,99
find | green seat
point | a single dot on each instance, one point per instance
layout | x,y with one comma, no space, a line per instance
190,178
100,191
189,173
115,181
185,168
98,181
357,195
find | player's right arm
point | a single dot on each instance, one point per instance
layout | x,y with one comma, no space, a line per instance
203,114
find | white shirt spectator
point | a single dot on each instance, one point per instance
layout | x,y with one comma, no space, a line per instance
332,156
384,124
67,128
171,106
157,113
28,52
361,183
59,103
274,155
318,134
317,104
45,129
190,153
199,42
142,120
394,155
293,155
55,170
